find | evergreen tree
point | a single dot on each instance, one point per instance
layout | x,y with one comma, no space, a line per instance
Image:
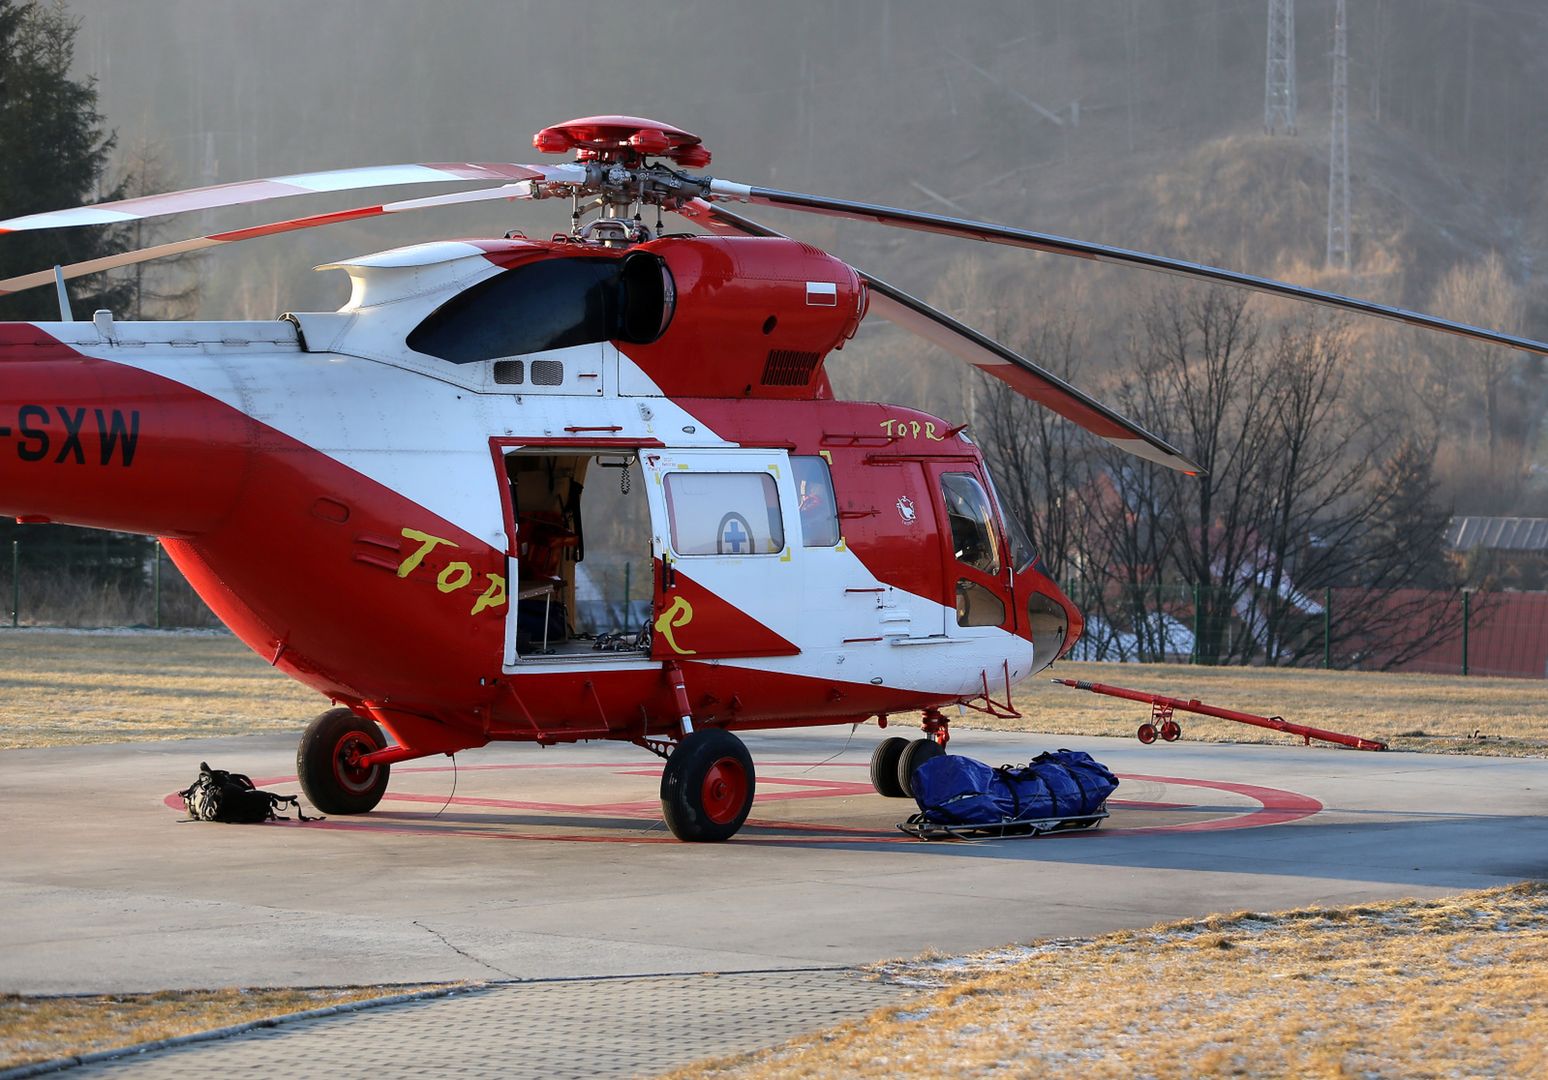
53,154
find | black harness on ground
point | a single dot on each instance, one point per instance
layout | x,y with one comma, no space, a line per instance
232,798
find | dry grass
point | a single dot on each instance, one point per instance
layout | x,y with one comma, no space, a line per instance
1413,988
34,1029
1433,713
62,688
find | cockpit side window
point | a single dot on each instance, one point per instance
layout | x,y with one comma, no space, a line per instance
814,493
1022,553
973,536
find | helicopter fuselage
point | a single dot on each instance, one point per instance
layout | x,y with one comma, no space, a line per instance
405,532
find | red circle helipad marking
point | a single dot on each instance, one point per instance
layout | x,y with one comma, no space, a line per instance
1276,806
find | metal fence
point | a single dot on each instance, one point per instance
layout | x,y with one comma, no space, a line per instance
1437,631
157,596
1466,632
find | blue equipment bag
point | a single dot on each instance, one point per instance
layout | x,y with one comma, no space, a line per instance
954,790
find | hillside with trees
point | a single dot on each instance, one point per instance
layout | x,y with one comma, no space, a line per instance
1133,124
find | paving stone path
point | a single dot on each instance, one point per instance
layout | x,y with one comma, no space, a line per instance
619,1027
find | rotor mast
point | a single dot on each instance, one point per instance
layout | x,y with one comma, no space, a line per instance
620,180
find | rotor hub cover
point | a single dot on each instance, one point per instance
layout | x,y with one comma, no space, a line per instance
624,139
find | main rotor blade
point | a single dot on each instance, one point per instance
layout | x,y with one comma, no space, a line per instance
1081,249
283,187
520,190
984,353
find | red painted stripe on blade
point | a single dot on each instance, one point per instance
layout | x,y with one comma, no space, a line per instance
1055,398
297,223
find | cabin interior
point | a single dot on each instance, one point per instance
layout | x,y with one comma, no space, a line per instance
583,554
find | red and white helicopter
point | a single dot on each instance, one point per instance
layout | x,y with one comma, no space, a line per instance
389,501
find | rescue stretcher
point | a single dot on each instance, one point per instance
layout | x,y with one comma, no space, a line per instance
921,829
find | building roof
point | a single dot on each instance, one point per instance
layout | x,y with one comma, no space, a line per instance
1498,534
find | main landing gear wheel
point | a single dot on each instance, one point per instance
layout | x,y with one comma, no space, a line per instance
914,755
327,763
884,767
707,786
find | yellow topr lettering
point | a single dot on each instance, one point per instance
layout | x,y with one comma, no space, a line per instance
886,425
680,614
930,432
427,544
493,596
454,577
915,425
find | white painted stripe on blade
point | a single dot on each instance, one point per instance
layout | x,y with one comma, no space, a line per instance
522,189
371,176
81,215
1141,449
725,189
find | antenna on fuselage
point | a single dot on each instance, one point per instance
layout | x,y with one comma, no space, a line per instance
64,295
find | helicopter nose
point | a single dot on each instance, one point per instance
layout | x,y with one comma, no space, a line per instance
86,441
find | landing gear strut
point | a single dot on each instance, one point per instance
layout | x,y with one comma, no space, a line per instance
327,763
707,786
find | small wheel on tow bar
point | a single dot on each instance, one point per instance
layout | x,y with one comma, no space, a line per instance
884,767
327,763
707,786
914,755
1146,733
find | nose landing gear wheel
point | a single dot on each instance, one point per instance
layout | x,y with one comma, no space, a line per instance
707,786
914,755
327,763
884,767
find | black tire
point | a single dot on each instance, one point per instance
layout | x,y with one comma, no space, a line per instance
707,786
330,783
884,767
914,755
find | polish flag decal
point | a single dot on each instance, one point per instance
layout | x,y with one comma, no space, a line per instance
821,294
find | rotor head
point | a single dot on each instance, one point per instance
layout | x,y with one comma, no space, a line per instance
623,140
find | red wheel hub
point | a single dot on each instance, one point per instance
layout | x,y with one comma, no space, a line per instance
346,762
724,790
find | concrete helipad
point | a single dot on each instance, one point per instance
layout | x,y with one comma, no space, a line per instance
553,864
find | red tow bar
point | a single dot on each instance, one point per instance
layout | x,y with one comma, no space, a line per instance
1161,709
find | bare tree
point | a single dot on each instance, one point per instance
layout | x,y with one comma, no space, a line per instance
1039,460
1207,383
1476,393
164,288
1351,505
